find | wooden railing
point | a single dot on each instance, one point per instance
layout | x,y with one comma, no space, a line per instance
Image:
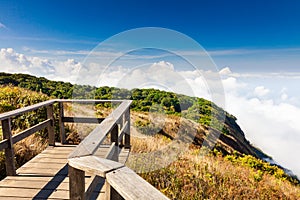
121,182
9,140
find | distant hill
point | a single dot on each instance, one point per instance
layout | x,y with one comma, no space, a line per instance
196,115
197,109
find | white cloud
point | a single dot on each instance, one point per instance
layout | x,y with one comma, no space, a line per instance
268,123
271,125
225,71
13,62
2,26
283,94
232,85
261,91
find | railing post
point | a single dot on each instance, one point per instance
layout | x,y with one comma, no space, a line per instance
9,151
76,183
111,193
51,134
127,131
61,123
114,138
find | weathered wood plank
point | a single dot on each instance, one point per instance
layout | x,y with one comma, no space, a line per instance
109,154
91,143
123,131
46,184
127,131
76,183
112,152
131,186
25,109
114,139
45,165
111,193
9,151
23,134
61,123
90,101
89,120
28,193
51,134
94,165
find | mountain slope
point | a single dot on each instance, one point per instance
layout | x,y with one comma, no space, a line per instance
160,118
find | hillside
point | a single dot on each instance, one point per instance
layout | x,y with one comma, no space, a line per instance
233,168
199,110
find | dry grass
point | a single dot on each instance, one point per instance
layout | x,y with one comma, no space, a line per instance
148,143
192,176
28,148
209,177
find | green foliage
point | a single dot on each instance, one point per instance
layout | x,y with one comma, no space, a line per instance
212,177
12,98
261,167
146,127
57,89
198,109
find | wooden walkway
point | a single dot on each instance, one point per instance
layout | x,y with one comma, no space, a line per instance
91,170
46,176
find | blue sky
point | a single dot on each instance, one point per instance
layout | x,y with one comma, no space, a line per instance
214,24
255,45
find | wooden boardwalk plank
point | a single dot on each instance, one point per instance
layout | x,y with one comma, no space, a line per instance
46,176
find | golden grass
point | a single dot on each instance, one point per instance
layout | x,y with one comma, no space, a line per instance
148,144
212,177
209,177
29,147
192,176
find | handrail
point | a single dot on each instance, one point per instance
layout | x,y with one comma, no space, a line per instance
91,143
121,181
117,125
9,140
126,182
26,109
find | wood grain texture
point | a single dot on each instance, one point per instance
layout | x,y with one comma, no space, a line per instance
45,177
76,183
88,120
131,186
51,134
25,109
9,151
61,123
49,170
90,144
23,134
94,165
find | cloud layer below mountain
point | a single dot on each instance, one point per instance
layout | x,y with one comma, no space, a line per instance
269,118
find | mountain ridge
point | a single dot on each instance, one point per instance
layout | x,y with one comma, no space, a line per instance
197,111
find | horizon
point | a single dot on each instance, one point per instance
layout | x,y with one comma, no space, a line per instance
254,45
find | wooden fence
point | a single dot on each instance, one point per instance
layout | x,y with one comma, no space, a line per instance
121,182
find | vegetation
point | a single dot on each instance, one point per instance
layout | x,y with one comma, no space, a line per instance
261,167
216,176
12,98
197,109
